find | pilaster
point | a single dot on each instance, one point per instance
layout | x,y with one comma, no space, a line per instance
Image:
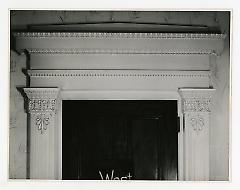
196,108
42,106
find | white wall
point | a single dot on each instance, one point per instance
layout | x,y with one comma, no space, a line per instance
219,131
18,119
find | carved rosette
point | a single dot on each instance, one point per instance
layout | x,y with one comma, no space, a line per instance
42,104
197,123
196,103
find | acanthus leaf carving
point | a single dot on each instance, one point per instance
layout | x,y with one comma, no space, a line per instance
42,122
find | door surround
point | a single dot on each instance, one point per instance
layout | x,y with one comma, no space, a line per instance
177,69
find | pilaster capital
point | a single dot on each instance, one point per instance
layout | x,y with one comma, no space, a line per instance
196,100
42,100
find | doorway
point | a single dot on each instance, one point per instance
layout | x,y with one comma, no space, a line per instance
120,139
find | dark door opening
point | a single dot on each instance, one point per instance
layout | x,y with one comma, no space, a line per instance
120,139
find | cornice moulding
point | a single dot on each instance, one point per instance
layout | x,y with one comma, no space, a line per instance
119,43
116,73
97,51
119,35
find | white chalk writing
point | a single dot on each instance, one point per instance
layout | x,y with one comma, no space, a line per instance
127,177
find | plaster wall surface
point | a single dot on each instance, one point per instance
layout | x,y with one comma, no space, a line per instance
22,19
18,119
219,131
219,66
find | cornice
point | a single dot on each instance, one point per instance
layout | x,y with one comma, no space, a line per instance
116,73
119,35
97,51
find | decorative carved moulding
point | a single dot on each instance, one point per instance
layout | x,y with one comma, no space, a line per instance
42,100
42,121
196,100
99,51
118,79
118,35
52,43
118,73
197,123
